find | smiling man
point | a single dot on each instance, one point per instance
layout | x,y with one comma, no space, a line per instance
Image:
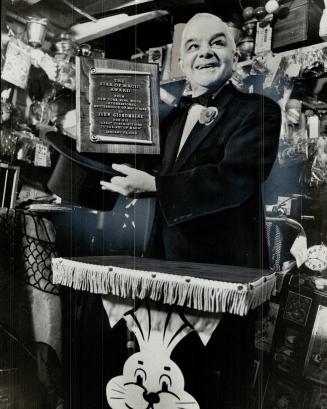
208,192
208,53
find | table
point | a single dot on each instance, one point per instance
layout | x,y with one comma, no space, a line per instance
162,302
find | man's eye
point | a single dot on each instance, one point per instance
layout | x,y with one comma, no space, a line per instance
192,47
219,43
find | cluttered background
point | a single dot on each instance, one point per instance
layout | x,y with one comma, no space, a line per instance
282,54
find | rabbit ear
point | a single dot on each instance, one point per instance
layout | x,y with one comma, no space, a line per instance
165,328
139,321
176,328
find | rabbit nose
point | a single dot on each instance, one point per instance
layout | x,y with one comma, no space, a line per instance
151,397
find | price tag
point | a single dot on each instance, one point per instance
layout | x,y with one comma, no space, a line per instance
263,39
42,156
300,250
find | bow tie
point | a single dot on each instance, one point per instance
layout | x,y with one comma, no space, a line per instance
203,100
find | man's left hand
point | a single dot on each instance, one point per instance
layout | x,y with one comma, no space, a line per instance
135,181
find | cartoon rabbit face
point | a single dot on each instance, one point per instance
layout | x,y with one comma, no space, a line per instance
151,380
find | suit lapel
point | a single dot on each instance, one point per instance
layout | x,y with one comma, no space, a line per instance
200,131
172,141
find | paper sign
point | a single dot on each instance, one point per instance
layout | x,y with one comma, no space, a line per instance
42,156
284,203
313,125
300,250
263,39
17,65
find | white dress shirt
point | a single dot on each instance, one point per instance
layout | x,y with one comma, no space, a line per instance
192,118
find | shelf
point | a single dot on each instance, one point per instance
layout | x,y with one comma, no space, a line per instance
310,48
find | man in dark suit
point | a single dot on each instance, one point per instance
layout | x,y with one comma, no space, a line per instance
208,189
209,185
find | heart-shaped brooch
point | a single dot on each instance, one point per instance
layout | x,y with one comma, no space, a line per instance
208,115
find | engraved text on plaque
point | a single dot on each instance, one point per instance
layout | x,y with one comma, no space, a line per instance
120,107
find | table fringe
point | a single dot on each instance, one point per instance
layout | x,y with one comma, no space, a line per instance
197,293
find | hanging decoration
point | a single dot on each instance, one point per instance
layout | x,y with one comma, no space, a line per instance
17,65
272,6
260,13
150,378
248,13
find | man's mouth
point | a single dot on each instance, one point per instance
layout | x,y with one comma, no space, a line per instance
206,66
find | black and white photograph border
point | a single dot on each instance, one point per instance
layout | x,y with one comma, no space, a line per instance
316,359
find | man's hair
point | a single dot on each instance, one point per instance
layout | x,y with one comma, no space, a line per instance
208,15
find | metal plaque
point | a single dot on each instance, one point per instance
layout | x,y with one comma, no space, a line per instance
117,104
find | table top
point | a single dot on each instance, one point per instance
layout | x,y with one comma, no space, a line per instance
233,274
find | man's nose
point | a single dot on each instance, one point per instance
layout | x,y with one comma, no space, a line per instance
205,51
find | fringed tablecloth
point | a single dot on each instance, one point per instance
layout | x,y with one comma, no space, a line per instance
199,286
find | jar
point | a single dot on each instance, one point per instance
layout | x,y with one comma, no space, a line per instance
36,31
246,47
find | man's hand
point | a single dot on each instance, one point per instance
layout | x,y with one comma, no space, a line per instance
135,181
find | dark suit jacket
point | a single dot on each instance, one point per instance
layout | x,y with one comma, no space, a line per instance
210,205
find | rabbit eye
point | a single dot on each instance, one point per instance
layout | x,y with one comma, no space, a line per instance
165,382
140,376
164,387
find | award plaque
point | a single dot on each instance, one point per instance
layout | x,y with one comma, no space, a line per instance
117,104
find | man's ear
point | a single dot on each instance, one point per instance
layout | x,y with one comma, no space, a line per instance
181,65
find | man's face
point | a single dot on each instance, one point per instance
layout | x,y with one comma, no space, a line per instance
207,54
